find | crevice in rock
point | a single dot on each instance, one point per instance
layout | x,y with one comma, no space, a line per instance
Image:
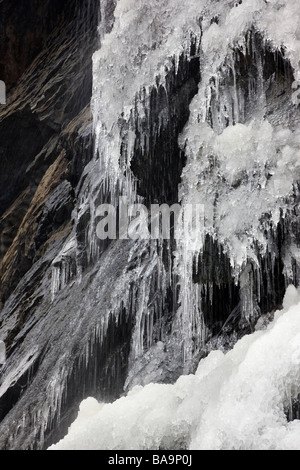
158,160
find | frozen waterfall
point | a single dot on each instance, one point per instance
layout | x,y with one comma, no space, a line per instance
167,343
241,141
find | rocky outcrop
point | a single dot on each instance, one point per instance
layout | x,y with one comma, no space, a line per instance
41,127
29,28
45,142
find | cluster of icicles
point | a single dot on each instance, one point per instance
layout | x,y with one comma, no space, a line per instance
238,169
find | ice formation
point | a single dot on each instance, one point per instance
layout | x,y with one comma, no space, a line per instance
135,57
234,401
243,166
243,170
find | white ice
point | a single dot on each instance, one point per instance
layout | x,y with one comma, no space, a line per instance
136,55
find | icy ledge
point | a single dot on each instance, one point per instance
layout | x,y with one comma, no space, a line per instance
234,401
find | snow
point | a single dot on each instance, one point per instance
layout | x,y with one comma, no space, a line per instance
234,401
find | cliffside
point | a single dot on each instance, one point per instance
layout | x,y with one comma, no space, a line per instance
82,317
45,138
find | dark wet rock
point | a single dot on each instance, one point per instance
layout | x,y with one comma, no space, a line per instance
159,165
47,115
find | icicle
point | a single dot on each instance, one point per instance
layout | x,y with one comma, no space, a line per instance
236,112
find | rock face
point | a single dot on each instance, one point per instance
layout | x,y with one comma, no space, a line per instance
41,127
45,135
75,340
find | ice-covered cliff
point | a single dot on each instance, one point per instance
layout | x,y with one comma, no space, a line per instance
193,102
